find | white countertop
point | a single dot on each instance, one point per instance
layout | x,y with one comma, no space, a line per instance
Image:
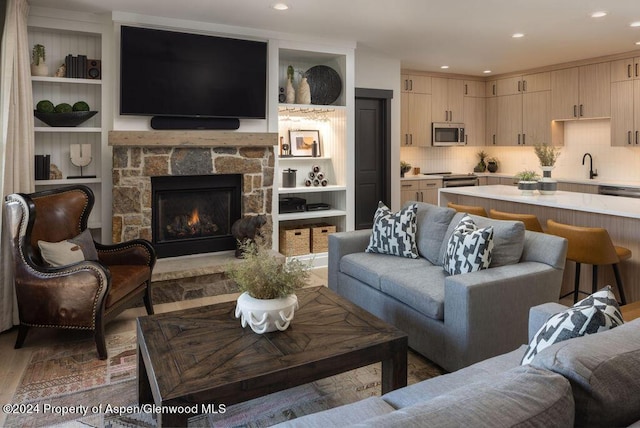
602,204
593,182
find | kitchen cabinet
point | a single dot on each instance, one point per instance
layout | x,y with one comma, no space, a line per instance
523,110
474,88
625,69
491,105
625,113
416,83
447,102
581,92
475,120
491,88
420,191
415,119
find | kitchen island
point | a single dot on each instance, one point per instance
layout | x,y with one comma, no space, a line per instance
619,215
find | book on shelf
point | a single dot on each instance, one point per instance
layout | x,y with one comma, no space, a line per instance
42,167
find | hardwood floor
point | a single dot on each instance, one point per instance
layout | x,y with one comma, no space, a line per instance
14,361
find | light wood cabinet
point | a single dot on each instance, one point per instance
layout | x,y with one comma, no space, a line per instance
420,191
492,121
474,88
522,84
509,129
625,113
491,88
416,83
447,103
475,121
625,69
415,119
536,118
509,86
581,92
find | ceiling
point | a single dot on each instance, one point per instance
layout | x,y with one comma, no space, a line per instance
469,36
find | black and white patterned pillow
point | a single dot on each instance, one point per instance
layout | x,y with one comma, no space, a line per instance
598,312
394,233
469,248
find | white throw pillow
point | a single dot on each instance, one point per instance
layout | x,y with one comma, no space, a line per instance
394,233
596,313
74,250
469,248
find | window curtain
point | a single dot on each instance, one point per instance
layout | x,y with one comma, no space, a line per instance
16,133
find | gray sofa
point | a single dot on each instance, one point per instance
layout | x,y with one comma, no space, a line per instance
453,320
590,381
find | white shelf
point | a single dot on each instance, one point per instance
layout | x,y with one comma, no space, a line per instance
307,108
312,189
68,181
305,215
66,80
67,129
301,158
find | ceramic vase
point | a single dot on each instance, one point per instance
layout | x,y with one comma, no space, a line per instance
527,187
40,70
266,315
547,185
492,166
304,92
290,92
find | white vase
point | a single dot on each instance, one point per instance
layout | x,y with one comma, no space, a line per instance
266,315
547,185
40,70
304,92
290,92
527,187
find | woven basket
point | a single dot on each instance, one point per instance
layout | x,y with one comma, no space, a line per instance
320,237
294,241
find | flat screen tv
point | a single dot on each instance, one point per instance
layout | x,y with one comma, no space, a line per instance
168,73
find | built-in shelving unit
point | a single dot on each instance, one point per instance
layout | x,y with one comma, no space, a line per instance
333,123
62,36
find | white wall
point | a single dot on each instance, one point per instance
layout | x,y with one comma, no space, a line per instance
376,71
592,136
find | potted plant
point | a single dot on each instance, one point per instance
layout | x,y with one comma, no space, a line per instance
268,301
492,164
38,57
481,166
527,181
404,168
547,155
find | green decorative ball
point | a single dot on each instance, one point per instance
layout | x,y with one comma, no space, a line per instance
45,106
63,108
81,106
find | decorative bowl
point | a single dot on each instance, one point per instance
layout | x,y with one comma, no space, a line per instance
72,118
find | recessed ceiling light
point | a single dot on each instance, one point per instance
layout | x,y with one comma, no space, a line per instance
280,6
637,43
599,14
635,24
517,35
487,71
444,67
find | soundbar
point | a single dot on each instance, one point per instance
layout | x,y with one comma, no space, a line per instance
171,122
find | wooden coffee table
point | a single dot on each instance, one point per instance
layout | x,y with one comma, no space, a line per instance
199,358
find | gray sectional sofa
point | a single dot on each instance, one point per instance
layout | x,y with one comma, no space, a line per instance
589,381
453,320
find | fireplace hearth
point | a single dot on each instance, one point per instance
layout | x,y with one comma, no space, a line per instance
194,214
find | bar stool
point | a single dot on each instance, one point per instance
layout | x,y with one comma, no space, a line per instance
530,220
590,245
471,209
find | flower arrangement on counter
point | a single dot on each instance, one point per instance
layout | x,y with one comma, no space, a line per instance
547,155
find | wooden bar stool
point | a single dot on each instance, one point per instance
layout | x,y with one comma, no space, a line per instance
530,220
471,209
590,245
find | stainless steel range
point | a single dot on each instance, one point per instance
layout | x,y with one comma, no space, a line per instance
450,179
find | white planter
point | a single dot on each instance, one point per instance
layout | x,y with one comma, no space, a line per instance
268,315
527,187
40,70
547,185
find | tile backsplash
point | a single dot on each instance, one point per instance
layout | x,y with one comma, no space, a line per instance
592,136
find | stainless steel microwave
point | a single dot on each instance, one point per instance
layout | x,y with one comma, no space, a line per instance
447,134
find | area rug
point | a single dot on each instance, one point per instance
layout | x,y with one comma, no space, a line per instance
69,376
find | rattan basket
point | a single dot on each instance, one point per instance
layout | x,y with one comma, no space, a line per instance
294,241
320,237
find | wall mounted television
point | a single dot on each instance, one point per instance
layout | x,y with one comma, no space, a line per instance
174,74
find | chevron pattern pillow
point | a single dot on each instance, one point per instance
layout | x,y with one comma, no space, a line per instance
598,312
394,233
469,248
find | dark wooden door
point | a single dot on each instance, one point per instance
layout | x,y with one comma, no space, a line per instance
373,148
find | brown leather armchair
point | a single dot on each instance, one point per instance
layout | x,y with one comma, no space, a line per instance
83,295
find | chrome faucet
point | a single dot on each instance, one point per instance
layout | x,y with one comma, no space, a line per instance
592,173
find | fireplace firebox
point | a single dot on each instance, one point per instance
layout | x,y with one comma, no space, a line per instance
194,214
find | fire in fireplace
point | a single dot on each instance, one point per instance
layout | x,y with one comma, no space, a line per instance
194,214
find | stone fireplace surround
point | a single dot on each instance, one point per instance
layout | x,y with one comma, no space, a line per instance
139,155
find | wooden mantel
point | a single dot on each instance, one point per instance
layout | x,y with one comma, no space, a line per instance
192,138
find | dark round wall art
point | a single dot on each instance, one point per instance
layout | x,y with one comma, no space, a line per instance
325,84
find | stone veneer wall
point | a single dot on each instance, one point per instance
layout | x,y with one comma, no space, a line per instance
133,168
